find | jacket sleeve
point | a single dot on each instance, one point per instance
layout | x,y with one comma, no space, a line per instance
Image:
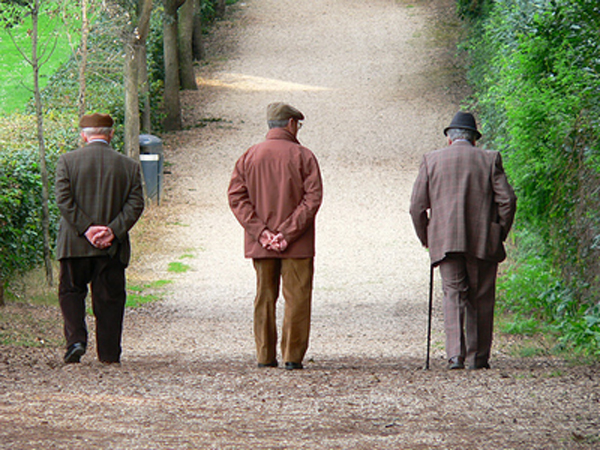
504,196
420,204
304,214
240,204
132,208
65,199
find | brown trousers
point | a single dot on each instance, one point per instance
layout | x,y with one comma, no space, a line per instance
296,276
107,278
469,286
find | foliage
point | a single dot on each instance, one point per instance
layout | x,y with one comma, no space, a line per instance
20,197
535,70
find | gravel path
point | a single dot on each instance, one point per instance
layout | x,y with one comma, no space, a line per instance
377,82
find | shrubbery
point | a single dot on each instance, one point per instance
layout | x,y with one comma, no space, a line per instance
535,69
20,184
20,192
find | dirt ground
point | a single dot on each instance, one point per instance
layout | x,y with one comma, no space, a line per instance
377,81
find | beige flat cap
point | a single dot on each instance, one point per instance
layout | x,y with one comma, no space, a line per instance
283,111
96,120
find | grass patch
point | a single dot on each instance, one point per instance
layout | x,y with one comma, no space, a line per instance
30,325
141,295
178,267
32,288
16,75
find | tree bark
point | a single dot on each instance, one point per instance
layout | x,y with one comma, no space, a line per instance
35,63
197,38
132,110
145,91
171,93
220,8
135,40
187,76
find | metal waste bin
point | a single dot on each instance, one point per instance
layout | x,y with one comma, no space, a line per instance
152,160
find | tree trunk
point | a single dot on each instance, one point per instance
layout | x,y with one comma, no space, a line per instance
132,110
83,51
135,40
144,91
171,94
187,76
197,38
2,292
220,8
41,144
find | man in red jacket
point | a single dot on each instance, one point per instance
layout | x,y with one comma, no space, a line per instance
275,193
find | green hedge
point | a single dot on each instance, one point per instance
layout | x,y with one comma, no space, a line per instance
534,67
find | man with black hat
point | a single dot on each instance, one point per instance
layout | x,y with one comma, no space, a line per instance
462,208
100,198
275,193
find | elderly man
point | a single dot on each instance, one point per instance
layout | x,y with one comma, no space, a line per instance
99,195
462,208
275,193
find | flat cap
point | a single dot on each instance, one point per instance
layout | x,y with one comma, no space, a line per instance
283,111
96,120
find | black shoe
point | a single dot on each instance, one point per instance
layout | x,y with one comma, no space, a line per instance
271,364
293,366
479,365
74,353
456,363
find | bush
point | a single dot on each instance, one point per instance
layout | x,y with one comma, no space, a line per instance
535,71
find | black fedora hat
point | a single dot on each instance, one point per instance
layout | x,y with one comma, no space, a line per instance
464,121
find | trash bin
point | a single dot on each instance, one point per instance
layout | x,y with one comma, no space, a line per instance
152,160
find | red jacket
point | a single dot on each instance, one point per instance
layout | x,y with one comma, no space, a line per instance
277,185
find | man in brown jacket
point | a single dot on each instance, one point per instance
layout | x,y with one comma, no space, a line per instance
99,195
275,193
462,208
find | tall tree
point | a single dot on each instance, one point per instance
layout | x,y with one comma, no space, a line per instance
135,42
172,102
197,40
187,76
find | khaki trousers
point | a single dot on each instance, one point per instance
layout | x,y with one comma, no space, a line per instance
469,286
297,277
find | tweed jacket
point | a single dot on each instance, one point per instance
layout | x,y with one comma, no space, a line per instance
277,185
462,203
95,185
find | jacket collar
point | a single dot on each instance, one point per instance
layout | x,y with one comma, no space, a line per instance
281,134
462,142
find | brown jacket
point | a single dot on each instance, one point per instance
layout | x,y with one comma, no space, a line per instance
95,185
277,185
462,203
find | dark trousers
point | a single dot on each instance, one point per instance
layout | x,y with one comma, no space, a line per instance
296,276
469,286
107,279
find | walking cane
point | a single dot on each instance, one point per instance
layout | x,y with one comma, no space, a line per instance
429,318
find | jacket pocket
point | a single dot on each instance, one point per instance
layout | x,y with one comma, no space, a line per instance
495,246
